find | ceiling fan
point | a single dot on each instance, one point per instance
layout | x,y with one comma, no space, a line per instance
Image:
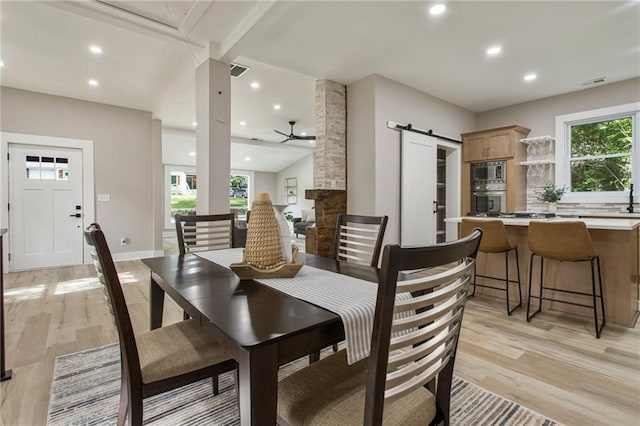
292,137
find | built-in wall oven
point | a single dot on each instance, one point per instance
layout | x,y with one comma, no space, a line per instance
489,187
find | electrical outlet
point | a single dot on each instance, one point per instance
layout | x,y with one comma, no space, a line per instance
124,241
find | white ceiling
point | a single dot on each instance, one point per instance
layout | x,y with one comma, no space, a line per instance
150,52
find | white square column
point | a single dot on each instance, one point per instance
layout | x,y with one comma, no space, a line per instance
213,136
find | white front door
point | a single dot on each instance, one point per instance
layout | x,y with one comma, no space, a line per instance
418,203
45,207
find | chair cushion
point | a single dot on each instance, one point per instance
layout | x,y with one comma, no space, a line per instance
177,349
331,392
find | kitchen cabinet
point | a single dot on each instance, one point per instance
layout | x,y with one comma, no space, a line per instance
501,143
491,144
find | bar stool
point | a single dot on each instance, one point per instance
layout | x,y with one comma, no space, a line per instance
494,240
564,242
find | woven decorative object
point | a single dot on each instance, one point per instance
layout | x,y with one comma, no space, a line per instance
263,251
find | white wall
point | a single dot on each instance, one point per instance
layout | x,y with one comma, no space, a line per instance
123,150
265,182
396,102
540,115
303,171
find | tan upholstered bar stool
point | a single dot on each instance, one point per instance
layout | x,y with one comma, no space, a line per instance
564,242
494,240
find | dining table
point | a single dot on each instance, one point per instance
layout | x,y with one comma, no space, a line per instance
261,327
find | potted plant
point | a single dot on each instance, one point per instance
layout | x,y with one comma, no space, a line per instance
551,194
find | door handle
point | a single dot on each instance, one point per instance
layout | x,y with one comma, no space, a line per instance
76,215
435,206
490,204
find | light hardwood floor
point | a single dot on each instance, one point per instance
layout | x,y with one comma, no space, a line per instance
553,365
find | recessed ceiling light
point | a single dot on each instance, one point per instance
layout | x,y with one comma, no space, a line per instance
311,141
243,123
194,124
1,64
494,50
276,107
95,49
303,134
437,9
530,77
247,158
255,85
93,82
193,154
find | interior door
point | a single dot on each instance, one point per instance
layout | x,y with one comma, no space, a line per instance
418,202
45,207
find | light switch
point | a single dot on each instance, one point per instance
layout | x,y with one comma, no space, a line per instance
104,198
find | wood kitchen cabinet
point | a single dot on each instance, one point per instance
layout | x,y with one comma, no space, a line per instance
493,144
501,143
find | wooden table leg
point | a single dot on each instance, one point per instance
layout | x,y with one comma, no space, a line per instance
259,386
156,304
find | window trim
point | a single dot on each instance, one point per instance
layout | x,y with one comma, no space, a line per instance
563,168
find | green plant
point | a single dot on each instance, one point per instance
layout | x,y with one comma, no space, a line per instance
288,216
551,193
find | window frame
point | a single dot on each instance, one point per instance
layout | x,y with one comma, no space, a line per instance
563,151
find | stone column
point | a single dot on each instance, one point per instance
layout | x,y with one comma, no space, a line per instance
329,166
330,156
213,136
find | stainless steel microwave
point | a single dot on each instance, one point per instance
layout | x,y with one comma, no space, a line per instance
492,171
489,201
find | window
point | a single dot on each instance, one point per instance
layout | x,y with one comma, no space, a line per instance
596,154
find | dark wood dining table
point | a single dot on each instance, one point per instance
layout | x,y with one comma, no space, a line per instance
259,326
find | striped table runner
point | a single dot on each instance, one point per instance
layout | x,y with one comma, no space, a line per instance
354,300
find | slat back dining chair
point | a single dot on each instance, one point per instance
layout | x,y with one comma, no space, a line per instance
204,232
157,361
408,375
359,238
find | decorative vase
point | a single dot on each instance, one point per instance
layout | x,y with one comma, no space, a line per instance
263,256
552,206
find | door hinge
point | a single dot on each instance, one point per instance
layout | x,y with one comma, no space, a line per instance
9,256
8,206
7,156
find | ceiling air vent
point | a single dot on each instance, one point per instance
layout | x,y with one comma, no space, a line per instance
594,81
238,70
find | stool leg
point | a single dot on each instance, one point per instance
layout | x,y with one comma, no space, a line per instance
593,294
473,287
510,311
530,295
604,317
506,279
519,283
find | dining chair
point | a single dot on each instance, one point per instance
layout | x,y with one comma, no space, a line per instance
204,232
159,360
407,377
359,238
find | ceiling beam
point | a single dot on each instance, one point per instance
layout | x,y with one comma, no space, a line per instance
226,53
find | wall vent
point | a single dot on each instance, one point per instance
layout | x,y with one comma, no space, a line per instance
238,70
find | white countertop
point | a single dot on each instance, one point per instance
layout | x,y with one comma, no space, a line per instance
622,215
621,224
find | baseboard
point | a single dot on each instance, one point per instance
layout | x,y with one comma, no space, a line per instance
135,255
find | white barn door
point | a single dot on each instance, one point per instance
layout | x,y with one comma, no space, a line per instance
418,208
46,208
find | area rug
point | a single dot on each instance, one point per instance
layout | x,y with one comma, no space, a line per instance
86,388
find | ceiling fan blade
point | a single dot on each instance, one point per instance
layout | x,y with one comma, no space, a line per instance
306,138
286,140
279,132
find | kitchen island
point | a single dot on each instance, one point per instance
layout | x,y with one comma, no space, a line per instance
615,240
